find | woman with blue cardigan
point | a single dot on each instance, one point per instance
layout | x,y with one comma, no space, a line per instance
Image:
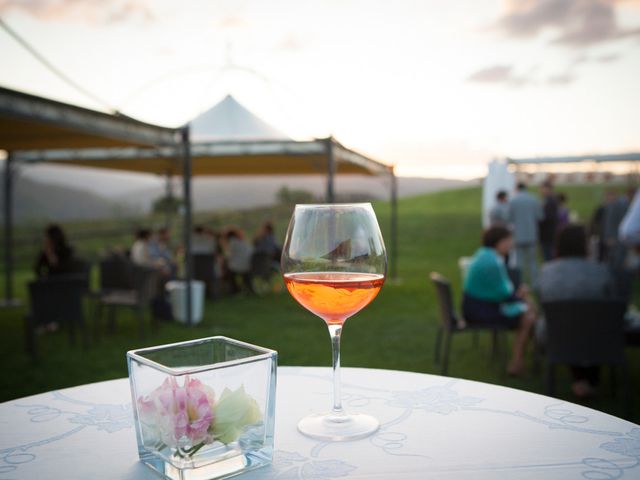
490,298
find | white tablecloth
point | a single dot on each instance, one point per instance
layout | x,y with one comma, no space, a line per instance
431,427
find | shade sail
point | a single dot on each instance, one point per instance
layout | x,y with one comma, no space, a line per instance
28,122
251,146
220,158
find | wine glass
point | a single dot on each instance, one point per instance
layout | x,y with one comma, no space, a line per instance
334,264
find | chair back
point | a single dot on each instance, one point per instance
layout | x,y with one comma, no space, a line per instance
447,317
515,275
116,273
81,267
57,298
262,265
204,267
145,283
585,332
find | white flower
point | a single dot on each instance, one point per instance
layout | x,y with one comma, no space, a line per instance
234,411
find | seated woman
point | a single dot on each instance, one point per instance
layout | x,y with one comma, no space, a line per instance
490,298
56,256
571,276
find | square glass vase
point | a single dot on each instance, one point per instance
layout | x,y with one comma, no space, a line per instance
203,409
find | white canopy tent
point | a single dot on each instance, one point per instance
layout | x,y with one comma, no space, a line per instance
230,140
499,177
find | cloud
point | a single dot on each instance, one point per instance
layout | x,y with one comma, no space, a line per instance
577,23
608,58
506,75
232,22
291,43
561,79
494,74
86,11
499,74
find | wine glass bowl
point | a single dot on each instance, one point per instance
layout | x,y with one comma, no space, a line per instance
334,264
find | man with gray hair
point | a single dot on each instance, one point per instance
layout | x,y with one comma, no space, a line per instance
525,212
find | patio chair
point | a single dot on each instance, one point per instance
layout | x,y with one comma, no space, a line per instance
125,285
263,268
56,299
586,333
451,323
204,270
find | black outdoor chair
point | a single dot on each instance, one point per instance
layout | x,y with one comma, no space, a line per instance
586,334
515,275
56,299
125,284
451,323
204,270
263,268
116,274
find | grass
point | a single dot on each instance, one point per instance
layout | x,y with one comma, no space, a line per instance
397,331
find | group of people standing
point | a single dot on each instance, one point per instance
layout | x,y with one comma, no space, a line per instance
494,296
534,223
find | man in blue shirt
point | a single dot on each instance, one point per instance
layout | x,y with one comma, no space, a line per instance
525,212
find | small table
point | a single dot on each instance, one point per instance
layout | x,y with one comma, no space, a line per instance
431,427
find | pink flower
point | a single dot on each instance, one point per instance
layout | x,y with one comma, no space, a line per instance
177,416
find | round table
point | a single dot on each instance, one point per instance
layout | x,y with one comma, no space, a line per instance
431,427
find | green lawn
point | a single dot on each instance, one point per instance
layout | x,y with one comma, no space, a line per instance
397,331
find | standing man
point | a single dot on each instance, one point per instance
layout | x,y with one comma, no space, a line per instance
549,222
525,212
614,212
499,214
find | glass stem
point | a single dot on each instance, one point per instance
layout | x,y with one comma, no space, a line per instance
335,331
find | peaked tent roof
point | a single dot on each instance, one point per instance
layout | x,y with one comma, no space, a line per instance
230,120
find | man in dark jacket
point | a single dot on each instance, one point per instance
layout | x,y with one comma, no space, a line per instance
549,222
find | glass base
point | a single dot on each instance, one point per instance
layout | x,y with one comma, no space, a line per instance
338,428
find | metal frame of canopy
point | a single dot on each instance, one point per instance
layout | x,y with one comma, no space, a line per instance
594,160
239,157
620,157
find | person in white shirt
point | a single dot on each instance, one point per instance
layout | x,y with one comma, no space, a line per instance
140,254
203,241
239,253
629,231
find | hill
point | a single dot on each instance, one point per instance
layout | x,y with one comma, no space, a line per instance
44,191
41,201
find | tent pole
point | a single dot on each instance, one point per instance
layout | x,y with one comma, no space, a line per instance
331,171
8,227
186,178
394,224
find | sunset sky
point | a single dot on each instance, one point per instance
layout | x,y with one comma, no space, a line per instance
437,87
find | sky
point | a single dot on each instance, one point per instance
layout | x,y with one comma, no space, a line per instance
436,87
